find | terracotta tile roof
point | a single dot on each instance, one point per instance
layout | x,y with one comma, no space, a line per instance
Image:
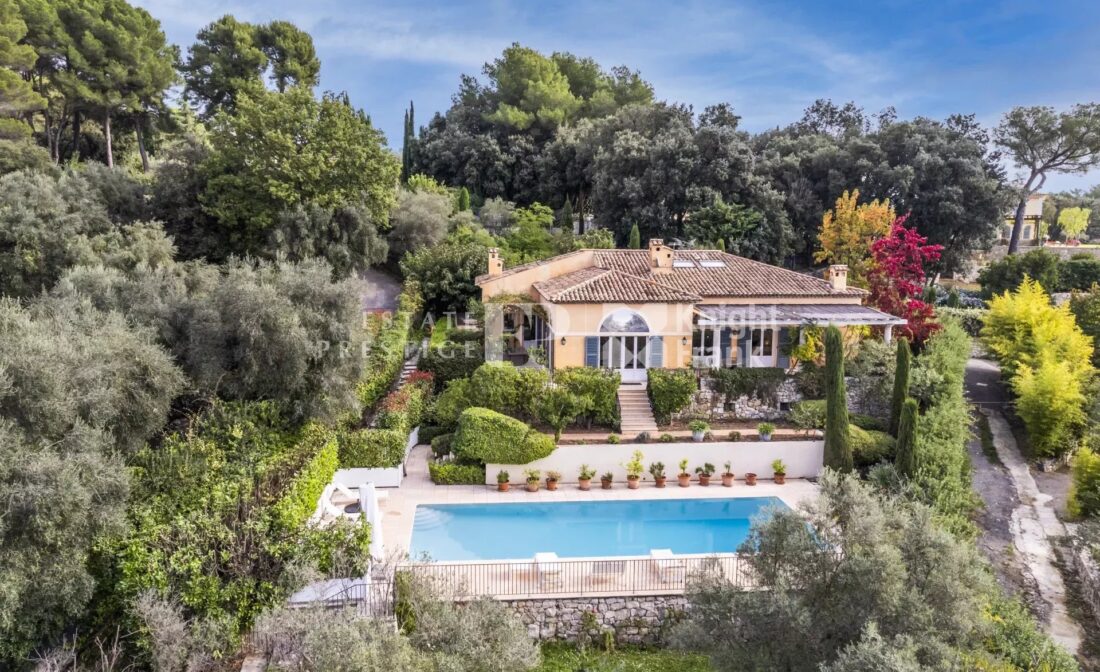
737,277
602,285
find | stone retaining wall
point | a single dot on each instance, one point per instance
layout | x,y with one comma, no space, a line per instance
1089,575
629,620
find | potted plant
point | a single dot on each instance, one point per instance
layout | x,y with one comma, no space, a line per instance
552,478
532,479
605,480
634,469
613,438
780,471
502,481
698,430
750,478
727,475
765,429
705,473
735,435
584,478
657,471
684,477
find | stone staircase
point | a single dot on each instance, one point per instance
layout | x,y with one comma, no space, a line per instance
636,415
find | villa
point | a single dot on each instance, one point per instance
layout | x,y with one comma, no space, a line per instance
631,310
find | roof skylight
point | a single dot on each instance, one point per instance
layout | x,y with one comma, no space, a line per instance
712,263
683,263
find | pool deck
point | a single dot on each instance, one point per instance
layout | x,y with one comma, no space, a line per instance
398,505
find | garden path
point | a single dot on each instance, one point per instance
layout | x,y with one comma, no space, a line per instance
1033,520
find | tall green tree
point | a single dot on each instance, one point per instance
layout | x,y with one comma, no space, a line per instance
462,200
567,215
838,449
635,240
224,62
17,95
530,90
1041,141
290,53
120,63
905,456
280,150
903,362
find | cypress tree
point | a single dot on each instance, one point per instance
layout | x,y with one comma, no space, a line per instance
838,449
905,458
567,216
635,242
462,203
405,150
721,245
903,365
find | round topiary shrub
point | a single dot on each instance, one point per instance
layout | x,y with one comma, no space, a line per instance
487,436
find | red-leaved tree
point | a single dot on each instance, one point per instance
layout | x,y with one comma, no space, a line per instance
896,279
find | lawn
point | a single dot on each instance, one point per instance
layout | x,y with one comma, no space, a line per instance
565,658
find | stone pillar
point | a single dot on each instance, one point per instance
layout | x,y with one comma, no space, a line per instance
888,334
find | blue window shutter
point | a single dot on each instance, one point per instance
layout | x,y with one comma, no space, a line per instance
784,359
591,350
743,342
656,350
724,340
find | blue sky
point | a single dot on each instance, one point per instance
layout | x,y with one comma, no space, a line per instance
769,59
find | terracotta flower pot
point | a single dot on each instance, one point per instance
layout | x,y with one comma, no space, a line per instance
727,480
633,483
503,487
704,479
684,479
532,486
750,479
551,485
605,484
660,481
584,483
780,479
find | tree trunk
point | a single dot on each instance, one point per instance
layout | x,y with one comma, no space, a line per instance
1018,224
107,135
141,148
76,135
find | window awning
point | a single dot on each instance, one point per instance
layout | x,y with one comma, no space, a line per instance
793,315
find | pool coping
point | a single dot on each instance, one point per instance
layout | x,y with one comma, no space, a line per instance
398,505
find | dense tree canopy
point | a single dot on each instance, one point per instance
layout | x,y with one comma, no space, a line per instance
267,158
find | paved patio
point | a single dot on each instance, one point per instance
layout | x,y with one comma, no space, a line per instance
398,505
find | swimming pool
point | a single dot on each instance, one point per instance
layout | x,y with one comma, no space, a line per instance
450,532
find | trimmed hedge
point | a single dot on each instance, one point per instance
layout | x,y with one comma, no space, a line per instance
970,319
599,386
429,432
458,357
670,391
869,447
403,408
305,488
487,436
372,448
761,383
451,473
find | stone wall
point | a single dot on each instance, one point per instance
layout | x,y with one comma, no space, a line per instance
629,620
1089,575
863,397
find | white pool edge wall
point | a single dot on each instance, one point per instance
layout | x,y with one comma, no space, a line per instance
803,459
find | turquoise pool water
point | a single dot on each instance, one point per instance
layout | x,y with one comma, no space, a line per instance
583,529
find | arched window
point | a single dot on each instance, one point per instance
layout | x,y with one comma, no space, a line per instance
624,321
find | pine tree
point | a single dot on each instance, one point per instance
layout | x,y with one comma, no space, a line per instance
905,458
721,245
462,202
635,242
903,364
567,216
838,449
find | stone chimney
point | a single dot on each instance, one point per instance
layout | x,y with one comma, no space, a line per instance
496,264
660,257
837,275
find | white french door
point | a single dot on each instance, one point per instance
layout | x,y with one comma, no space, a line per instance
627,354
762,348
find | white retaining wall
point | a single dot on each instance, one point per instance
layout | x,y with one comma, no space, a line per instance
804,459
388,477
